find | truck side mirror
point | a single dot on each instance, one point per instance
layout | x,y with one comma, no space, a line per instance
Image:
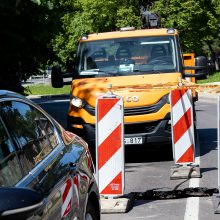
20,203
56,77
200,68
202,62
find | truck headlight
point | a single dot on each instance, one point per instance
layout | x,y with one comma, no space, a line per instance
77,102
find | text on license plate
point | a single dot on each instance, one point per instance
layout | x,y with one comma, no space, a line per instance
134,140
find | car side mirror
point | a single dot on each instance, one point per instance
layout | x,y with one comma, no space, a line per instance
19,203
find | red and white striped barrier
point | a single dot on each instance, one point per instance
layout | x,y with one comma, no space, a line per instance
110,145
182,126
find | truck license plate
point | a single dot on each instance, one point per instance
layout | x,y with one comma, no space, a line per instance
134,140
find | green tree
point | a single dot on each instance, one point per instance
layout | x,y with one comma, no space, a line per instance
35,32
196,20
26,31
89,16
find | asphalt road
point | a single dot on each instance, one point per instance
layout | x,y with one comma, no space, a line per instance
150,169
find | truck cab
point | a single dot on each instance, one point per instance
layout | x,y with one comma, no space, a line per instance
134,63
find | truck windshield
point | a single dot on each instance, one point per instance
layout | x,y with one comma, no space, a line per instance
127,56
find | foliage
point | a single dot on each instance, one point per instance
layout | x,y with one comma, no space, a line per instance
215,77
197,21
36,33
89,16
127,18
188,16
26,31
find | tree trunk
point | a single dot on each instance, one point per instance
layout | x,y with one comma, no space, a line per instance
216,65
214,56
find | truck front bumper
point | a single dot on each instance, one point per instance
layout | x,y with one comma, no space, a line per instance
150,132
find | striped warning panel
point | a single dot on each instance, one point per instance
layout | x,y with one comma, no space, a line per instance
110,145
182,126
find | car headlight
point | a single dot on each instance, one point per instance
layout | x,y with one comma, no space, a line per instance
77,102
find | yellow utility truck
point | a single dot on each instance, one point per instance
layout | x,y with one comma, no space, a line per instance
133,62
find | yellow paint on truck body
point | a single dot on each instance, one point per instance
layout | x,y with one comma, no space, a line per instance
123,34
90,88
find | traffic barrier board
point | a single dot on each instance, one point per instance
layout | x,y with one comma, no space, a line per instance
183,135
182,126
110,145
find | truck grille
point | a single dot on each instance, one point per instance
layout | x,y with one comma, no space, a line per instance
135,110
140,127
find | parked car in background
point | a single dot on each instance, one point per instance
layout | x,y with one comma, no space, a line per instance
45,171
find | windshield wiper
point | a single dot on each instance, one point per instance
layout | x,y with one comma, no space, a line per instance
97,72
91,72
145,71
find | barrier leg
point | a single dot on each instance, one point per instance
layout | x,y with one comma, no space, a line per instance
185,171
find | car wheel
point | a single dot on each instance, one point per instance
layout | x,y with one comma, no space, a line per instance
91,213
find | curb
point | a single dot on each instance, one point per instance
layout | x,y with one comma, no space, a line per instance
206,95
48,96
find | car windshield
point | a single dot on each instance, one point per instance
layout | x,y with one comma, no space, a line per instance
127,56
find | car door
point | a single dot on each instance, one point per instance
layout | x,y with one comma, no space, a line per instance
40,151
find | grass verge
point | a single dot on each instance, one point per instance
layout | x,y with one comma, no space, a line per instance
215,77
45,89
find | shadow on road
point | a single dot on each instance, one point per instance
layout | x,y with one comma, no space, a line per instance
150,153
208,140
204,170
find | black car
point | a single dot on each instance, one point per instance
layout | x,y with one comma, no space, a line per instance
45,171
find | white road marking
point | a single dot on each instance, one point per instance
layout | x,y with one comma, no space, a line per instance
192,203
